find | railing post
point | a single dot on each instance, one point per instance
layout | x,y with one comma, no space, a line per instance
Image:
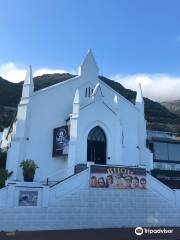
45,196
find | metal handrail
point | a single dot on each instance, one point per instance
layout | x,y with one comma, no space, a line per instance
59,175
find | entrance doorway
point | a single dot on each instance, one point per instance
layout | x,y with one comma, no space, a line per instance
96,146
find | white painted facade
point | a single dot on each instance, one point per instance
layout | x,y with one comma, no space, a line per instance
40,112
72,203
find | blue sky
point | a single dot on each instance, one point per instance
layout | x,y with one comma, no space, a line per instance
128,37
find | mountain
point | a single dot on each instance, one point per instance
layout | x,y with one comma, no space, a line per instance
158,116
9,97
173,106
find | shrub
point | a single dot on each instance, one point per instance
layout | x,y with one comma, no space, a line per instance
4,175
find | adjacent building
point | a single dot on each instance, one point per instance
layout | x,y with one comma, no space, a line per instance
166,157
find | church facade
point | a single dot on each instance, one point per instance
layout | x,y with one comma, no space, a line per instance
94,169
99,125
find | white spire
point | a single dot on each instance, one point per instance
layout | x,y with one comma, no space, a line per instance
28,86
97,92
89,65
76,102
115,106
139,96
139,99
115,99
29,78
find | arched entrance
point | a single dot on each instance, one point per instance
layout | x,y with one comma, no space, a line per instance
96,146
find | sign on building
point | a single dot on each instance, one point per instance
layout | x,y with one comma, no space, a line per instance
117,177
28,198
60,141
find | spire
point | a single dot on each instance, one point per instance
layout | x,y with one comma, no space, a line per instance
97,93
139,96
139,99
89,66
28,86
76,102
28,78
115,99
116,105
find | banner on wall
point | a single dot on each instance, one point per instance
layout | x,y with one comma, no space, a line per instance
60,141
117,177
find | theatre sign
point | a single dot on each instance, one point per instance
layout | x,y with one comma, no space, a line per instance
117,177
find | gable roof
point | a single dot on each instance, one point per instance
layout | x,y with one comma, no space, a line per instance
48,80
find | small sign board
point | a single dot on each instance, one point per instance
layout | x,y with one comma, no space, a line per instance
60,141
28,198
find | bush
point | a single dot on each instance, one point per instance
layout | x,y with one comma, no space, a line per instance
3,156
4,175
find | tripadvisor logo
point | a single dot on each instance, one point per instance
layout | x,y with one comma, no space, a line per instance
139,231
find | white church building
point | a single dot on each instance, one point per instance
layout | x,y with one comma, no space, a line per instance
82,122
85,104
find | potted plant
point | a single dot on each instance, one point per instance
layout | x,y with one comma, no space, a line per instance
29,168
4,175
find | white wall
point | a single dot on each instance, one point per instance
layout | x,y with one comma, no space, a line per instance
115,118
74,205
49,108
3,197
161,189
99,114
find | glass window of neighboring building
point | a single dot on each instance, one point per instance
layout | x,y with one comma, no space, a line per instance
161,151
174,152
167,166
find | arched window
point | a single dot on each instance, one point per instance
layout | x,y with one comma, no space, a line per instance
97,134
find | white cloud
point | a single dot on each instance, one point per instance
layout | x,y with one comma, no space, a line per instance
158,87
10,71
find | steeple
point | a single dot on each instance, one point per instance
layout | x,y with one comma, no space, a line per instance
89,66
139,99
139,96
28,86
21,136
76,102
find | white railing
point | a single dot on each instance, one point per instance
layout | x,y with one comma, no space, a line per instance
61,189
60,175
161,189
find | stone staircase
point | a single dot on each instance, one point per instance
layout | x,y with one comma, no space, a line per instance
73,205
